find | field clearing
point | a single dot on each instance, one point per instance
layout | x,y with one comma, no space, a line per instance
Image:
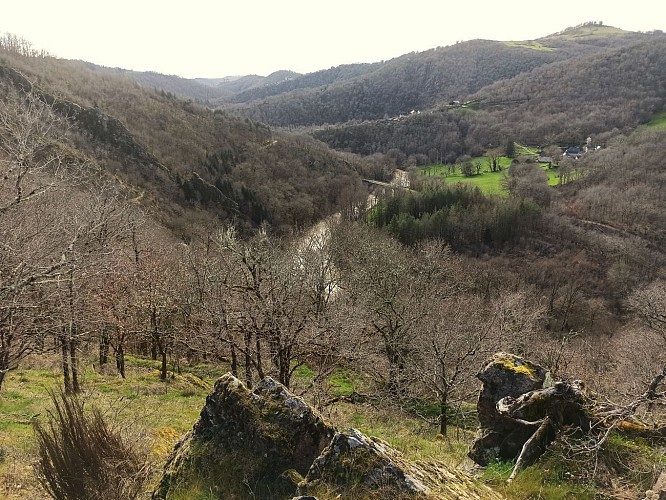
530,44
658,120
489,182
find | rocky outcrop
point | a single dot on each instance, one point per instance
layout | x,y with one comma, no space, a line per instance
505,375
522,411
357,466
353,460
268,444
520,417
246,443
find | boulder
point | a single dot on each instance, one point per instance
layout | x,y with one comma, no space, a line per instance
357,466
519,417
256,443
499,437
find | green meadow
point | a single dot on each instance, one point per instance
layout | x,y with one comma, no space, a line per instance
530,44
658,120
489,182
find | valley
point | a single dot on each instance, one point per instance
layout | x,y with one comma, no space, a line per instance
157,233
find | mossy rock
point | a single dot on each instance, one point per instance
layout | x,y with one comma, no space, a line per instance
357,466
246,442
504,375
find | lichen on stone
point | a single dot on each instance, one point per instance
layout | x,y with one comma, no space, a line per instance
517,365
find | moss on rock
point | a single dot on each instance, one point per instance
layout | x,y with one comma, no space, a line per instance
244,442
504,375
357,466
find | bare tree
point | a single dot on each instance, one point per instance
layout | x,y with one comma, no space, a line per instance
395,292
466,330
275,301
157,310
32,251
649,303
528,180
61,219
494,156
21,46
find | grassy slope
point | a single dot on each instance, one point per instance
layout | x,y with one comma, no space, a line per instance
530,44
157,414
658,120
589,31
153,412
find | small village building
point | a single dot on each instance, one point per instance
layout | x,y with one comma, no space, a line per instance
573,152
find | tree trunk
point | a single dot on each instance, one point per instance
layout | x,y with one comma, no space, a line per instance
154,337
69,347
234,361
443,407
394,350
64,344
260,368
153,349
284,366
248,360
120,360
163,369
4,362
394,384
104,347
74,365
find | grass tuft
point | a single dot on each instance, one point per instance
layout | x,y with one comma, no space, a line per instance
81,457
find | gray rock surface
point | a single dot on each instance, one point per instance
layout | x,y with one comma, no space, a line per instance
246,443
504,375
267,443
357,466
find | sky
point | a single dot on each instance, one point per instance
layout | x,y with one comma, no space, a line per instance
207,38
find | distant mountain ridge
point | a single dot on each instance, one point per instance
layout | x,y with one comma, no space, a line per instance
422,80
371,91
601,93
203,90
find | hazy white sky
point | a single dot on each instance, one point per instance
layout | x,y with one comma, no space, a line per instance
207,38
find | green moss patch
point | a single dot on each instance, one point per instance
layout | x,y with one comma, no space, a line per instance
516,365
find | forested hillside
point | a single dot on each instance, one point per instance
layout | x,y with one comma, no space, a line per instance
203,90
417,81
413,81
591,95
193,157
560,103
271,87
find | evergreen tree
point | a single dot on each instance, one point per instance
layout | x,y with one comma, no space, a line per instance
510,148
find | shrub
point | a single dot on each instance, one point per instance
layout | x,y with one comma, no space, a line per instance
82,457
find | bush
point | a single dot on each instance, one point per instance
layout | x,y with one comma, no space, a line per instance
81,457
